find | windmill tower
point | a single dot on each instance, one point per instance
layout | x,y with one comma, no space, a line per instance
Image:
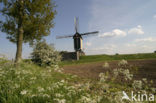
77,37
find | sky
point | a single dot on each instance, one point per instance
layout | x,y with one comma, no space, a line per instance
125,27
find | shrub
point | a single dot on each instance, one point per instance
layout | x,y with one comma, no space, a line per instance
44,54
117,54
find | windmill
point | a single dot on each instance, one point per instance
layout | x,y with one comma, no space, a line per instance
77,38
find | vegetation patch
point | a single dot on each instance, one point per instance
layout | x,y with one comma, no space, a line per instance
30,83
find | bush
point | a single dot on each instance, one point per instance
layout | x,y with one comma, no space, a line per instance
44,54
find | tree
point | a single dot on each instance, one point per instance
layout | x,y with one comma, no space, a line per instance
26,21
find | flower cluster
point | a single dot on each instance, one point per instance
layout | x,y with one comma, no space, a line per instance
103,77
122,62
123,72
106,65
137,84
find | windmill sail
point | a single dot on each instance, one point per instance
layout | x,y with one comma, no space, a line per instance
88,33
76,20
65,36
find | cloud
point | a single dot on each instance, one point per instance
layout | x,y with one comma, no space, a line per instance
130,45
149,39
105,49
117,32
154,16
137,30
114,33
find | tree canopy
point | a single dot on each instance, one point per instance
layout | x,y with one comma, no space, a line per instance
37,18
26,21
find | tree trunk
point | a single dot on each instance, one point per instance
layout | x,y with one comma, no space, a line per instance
19,45
20,32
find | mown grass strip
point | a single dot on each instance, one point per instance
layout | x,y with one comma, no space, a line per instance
98,58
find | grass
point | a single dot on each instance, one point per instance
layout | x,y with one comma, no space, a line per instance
98,58
29,83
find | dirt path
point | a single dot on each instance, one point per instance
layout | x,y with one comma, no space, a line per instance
147,69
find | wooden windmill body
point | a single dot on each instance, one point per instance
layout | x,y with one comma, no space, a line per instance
78,40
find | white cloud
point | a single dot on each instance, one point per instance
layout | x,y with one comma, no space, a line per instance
114,33
107,48
130,45
149,39
136,30
117,32
154,16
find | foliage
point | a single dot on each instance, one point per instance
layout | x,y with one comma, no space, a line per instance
113,92
26,21
45,55
37,18
30,83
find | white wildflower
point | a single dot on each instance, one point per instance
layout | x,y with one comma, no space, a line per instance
122,62
106,65
115,72
33,78
17,85
33,95
60,100
58,95
24,92
137,84
103,77
144,80
40,89
46,95
127,74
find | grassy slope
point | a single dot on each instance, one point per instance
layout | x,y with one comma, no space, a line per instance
98,58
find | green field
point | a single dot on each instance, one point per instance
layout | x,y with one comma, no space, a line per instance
98,58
